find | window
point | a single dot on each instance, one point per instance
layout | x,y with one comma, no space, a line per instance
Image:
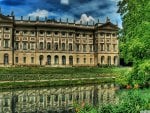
77,47
63,46
101,34
32,59
6,43
32,46
6,59
78,60
32,33
41,32
16,59
109,60
102,47
25,32
84,60
24,59
48,60
56,33
7,29
17,32
108,47
63,34
24,45
114,48
91,60
114,35
41,98
48,46
83,35
16,45
56,46
77,34
84,48
90,36
56,59
41,46
70,47
107,34
70,34
102,59
48,33
70,60
63,60
56,98
91,48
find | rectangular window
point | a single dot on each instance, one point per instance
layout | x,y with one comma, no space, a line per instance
78,60
24,46
102,47
91,60
84,60
108,47
32,46
114,48
16,45
77,47
32,59
16,59
84,48
24,59
91,49
6,43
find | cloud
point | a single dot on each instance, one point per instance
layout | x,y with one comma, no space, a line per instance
40,13
84,18
65,2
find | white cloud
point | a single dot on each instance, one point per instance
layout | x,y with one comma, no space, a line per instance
40,13
84,18
65,2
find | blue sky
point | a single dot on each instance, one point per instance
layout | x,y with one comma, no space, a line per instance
85,10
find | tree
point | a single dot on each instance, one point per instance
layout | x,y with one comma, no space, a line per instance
135,35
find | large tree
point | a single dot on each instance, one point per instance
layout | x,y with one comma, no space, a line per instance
135,35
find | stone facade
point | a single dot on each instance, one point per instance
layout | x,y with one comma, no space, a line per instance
52,43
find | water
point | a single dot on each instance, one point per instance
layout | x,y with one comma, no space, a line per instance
55,99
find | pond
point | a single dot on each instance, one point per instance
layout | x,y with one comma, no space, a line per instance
55,99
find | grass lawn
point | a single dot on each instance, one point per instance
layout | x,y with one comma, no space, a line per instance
47,73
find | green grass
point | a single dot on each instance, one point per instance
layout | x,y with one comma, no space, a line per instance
36,73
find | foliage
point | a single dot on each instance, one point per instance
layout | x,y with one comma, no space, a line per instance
132,101
135,37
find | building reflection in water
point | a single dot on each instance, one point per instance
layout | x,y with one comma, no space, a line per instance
57,99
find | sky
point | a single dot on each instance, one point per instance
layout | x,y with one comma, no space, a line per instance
78,10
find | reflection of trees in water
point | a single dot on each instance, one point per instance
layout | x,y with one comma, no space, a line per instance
55,99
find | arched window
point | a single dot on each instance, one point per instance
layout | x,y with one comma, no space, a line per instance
70,60
70,47
56,59
56,46
6,59
48,46
102,59
48,60
63,60
115,60
63,46
41,59
109,60
41,46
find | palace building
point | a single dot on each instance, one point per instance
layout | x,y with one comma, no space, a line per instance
27,42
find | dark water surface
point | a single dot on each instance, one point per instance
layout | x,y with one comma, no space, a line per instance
55,99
